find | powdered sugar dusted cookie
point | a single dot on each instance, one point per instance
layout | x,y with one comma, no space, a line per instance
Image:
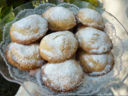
62,77
93,41
58,46
95,63
60,18
90,17
25,57
28,29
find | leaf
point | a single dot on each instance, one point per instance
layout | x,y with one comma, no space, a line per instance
5,11
9,17
71,1
5,20
94,2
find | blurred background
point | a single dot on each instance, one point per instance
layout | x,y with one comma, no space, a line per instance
9,10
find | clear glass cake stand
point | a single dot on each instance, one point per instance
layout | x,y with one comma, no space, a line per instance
92,85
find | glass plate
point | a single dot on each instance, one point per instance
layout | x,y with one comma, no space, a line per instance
92,85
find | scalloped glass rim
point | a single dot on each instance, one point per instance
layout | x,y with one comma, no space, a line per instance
39,10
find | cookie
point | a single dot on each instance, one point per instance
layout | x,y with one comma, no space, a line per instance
24,57
60,18
95,63
93,41
58,46
29,29
90,18
62,77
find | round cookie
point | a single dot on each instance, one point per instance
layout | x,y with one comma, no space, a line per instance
24,57
93,41
60,18
62,77
95,63
58,46
90,17
28,29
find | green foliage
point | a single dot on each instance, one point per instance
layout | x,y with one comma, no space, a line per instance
93,2
83,3
6,15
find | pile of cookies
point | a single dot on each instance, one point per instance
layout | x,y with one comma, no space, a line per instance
48,42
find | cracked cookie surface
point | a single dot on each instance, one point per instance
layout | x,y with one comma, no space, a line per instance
58,46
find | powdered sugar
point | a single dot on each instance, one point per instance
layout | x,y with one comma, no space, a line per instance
102,59
29,27
93,40
60,13
94,18
67,73
59,44
107,68
60,18
24,50
25,54
90,86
